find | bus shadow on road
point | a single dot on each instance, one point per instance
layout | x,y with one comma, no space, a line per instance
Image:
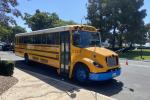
108,88
35,69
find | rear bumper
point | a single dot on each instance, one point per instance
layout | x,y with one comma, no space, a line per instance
104,76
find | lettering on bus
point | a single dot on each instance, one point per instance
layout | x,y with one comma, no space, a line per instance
44,60
35,58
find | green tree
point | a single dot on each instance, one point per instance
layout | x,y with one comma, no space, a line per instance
4,31
15,30
63,23
134,23
7,33
149,33
8,7
122,18
98,17
43,20
147,26
7,12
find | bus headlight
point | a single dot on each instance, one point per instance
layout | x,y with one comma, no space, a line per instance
96,64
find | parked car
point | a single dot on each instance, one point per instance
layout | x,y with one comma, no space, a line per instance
1,45
8,47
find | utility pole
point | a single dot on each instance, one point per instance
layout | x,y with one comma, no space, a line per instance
83,18
141,47
141,52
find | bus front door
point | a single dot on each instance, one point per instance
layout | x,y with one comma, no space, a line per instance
65,53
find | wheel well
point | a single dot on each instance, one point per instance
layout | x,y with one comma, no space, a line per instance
77,65
25,55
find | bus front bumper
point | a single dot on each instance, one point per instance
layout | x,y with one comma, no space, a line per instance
104,76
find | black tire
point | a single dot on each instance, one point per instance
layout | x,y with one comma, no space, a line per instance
26,58
109,81
81,74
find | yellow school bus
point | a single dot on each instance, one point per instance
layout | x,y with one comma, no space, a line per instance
74,50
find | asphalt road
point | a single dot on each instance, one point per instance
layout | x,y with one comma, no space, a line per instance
133,84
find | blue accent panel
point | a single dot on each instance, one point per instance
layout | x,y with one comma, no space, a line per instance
104,76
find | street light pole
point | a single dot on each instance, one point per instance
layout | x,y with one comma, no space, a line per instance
141,47
141,52
83,18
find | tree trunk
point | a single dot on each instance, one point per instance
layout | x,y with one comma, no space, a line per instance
114,38
120,40
120,43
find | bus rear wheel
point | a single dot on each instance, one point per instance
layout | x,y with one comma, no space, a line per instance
81,74
26,58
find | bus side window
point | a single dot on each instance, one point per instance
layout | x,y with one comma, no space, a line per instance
19,40
27,38
52,38
57,38
49,39
30,39
43,36
22,39
35,39
16,42
41,39
38,39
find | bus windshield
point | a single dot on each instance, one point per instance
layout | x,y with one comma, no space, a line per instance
85,39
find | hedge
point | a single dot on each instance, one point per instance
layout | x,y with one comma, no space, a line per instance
6,68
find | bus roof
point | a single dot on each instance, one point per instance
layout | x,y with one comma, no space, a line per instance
52,30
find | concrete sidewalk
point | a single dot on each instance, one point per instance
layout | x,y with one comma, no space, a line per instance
33,88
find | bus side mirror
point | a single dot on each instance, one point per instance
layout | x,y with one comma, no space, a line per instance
98,30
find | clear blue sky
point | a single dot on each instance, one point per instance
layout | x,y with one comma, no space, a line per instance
66,9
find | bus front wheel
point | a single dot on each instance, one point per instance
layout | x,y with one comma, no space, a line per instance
81,74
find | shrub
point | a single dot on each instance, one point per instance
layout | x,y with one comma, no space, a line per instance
6,68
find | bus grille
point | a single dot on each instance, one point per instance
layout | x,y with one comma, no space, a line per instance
112,61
